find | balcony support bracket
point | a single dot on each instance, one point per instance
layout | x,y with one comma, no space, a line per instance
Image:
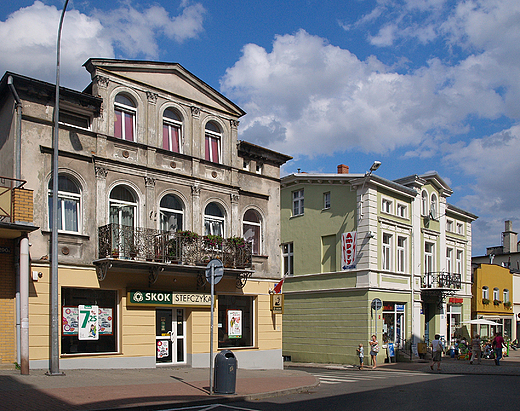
154,274
242,279
102,269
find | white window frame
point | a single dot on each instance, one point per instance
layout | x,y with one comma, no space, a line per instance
212,221
402,210
126,109
460,228
506,295
298,202
496,294
485,292
434,207
326,200
213,135
63,197
460,264
172,123
386,206
288,259
449,226
429,257
387,251
424,203
401,254
258,225
449,259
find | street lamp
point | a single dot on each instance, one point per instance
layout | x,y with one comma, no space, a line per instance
55,360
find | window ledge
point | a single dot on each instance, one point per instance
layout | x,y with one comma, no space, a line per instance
67,234
89,354
253,347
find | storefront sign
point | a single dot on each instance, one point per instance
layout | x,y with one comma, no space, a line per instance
88,322
348,250
155,298
399,308
234,318
277,303
455,300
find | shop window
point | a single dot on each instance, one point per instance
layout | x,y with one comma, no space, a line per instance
235,321
106,300
393,323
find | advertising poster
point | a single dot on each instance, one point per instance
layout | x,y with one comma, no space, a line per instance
162,349
88,322
348,250
234,318
105,321
70,320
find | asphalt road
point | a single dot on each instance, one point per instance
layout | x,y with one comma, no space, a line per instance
391,390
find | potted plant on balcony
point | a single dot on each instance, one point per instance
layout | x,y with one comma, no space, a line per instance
213,241
485,301
497,302
508,304
188,235
115,253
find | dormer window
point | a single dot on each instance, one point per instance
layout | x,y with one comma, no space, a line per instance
213,142
124,122
172,125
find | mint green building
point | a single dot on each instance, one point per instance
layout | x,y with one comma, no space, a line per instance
349,240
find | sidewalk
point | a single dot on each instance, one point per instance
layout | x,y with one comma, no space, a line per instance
143,389
508,366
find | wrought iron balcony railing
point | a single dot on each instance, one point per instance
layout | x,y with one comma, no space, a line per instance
145,244
441,280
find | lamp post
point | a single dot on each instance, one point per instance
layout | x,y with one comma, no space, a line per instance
54,360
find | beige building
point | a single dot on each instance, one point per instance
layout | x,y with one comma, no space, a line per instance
153,184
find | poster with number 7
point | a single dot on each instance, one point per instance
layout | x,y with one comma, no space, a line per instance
88,322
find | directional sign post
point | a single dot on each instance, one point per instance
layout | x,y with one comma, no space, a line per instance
214,273
376,306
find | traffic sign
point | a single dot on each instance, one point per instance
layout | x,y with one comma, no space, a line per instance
218,271
376,304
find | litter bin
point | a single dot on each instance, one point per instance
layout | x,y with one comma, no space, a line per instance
422,349
225,372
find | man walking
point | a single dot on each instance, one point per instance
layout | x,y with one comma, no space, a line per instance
436,352
476,351
498,344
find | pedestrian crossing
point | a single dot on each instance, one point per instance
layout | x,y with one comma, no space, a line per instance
353,376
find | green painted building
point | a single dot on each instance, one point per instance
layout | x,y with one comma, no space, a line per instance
350,239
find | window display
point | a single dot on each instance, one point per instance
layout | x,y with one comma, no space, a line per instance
235,321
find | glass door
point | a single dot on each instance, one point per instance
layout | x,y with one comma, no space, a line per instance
170,336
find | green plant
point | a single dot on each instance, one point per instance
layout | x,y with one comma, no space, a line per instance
188,235
213,240
507,304
485,301
496,302
237,241
17,366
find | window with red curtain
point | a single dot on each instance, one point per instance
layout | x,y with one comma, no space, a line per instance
124,118
213,136
171,138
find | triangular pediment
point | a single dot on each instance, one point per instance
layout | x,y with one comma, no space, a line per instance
170,78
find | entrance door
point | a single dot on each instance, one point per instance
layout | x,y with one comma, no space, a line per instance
170,330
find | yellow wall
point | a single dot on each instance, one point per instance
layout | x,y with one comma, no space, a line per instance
492,276
7,305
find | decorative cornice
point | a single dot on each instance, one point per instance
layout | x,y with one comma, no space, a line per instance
195,190
149,181
152,97
101,173
234,123
101,81
234,197
195,111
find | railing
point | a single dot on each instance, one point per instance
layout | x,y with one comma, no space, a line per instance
7,185
145,244
441,280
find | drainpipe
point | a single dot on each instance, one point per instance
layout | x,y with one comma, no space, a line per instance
18,173
24,309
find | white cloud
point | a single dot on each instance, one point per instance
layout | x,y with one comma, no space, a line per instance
28,37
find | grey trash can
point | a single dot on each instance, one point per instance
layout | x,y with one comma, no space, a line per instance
225,372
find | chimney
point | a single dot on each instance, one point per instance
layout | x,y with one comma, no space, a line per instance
509,238
342,169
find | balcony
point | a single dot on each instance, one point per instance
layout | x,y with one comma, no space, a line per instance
441,281
119,244
16,208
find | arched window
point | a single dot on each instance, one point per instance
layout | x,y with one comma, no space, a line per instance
213,142
485,292
172,126
172,213
69,205
433,207
125,113
424,203
123,218
252,229
506,296
496,294
213,220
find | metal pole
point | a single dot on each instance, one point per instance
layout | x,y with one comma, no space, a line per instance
211,332
54,360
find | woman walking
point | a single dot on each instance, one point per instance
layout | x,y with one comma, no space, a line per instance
374,349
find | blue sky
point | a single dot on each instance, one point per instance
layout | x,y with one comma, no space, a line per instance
420,85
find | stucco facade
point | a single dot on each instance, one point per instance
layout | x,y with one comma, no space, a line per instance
412,255
148,159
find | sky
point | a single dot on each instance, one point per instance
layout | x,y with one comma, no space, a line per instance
420,85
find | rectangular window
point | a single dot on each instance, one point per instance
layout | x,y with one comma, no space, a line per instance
459,261
428,258
460,228
326,200
106,300
449,257
297,202
401,254
449,226
288,259
235,321
171,134
212,149
387,251
401,210
74,119
386,206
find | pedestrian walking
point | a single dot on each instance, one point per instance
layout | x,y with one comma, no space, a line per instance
476,351
374,349
437,348
361,354
498,345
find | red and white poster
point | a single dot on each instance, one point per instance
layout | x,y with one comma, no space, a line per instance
348,250
163,349
234,318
